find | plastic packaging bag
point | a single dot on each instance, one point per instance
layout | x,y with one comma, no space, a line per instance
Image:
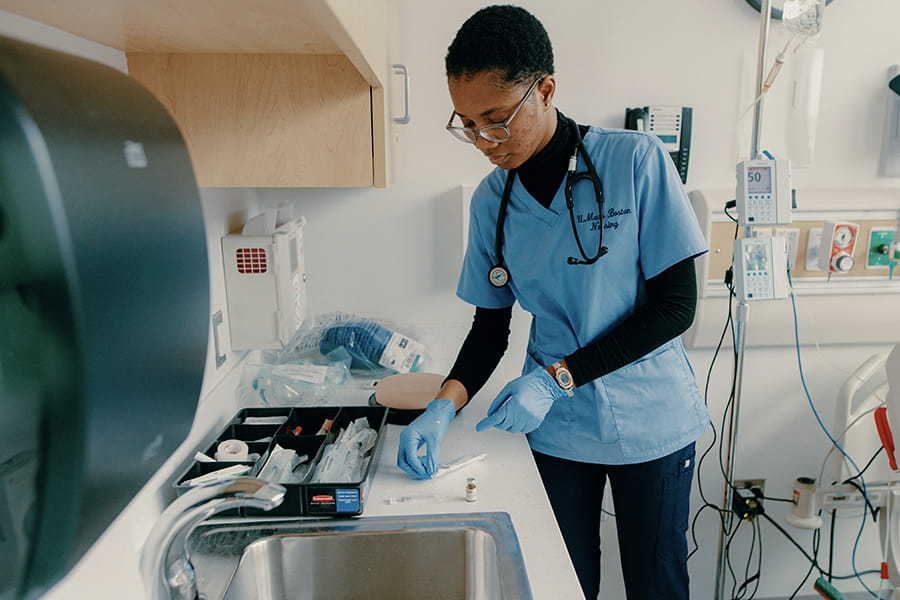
292,384
326,354
803,16
371,345
345,460
284,466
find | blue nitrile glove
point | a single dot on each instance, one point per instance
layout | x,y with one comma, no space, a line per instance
428,429
523,403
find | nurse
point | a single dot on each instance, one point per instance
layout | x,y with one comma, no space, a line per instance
606,392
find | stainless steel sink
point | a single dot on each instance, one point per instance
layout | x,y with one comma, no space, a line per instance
441,557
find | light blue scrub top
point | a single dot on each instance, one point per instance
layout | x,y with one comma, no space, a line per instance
642,411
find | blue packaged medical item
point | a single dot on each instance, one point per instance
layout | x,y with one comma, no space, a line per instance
372,346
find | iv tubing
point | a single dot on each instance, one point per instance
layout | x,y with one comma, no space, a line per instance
834,442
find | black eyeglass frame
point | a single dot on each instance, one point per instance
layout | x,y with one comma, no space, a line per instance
470,136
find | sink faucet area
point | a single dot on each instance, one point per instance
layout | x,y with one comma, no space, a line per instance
188,555
165,564
468,556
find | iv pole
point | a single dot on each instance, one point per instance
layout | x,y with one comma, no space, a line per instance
743,311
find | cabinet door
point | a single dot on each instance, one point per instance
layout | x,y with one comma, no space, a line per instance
266,120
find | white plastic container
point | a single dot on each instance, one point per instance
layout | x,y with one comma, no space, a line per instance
265,282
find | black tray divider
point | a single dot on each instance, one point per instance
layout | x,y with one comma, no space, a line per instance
304,498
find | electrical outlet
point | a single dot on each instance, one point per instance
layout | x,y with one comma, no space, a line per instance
750,484
745,503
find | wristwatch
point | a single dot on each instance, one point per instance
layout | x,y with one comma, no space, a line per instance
560,372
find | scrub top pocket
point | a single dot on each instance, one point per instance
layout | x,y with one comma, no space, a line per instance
656,404
578,427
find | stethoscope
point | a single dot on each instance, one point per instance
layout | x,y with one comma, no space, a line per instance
499,274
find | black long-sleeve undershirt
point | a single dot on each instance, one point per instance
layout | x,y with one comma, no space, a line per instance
666,314
668,311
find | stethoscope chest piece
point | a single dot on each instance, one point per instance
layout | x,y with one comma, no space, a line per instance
498,276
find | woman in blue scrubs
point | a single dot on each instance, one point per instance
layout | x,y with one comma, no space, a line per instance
606,392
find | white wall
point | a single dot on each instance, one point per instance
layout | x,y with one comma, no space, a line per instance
374,252
609,56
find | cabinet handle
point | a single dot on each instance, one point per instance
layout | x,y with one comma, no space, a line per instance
402,70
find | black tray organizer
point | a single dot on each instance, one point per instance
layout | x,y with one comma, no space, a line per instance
300,431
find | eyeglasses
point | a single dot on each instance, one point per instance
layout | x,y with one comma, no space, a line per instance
497,132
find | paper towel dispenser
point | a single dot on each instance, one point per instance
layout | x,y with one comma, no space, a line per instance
104,300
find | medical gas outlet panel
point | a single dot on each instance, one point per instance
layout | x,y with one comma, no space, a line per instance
837,246
842,262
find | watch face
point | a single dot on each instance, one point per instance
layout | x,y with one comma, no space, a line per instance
564,378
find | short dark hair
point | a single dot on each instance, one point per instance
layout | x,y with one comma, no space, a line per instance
506,39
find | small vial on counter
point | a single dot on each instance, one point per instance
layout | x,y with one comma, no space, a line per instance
471,490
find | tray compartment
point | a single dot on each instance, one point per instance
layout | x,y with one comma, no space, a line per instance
310,445
346,499
310,420
303,498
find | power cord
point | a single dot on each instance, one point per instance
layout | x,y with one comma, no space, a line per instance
868,464
830,437
871,508
817,536
746,589
727,550
812,559
729,325
739,594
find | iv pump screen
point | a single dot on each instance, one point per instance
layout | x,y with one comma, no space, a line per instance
759,180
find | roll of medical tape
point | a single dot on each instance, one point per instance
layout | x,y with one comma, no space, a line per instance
232,451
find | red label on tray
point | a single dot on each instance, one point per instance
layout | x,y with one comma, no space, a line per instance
323,498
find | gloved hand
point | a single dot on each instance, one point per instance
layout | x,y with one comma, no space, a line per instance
428,429
523,403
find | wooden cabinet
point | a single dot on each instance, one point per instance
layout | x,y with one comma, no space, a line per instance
266,120
267,93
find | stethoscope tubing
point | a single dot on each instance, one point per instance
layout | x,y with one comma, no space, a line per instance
499,275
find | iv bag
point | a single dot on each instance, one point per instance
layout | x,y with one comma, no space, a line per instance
803,16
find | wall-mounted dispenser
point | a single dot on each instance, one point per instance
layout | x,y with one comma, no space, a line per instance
104,300
890,146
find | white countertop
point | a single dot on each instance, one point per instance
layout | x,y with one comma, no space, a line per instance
508,481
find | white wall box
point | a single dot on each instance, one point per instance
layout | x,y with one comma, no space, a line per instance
265,284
